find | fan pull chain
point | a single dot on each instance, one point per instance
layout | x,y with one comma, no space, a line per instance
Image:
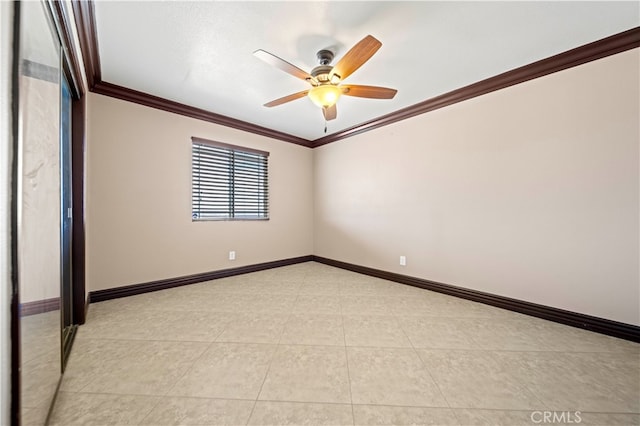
325,126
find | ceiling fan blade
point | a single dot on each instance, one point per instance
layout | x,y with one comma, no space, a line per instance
330,113
354,58
287,98
374,92
285,66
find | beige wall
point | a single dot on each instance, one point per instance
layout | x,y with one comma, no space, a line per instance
530,192
138,219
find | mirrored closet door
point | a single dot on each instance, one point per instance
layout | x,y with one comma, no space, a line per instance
44,220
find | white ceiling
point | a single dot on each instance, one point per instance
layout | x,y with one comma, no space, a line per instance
200,53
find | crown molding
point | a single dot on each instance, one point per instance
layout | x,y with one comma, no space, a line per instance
85,22
589,52
119,92
84,14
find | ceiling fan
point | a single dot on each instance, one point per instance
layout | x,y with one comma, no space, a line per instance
326,79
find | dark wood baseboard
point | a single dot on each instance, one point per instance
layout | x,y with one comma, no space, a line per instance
39,306
574,319
131,290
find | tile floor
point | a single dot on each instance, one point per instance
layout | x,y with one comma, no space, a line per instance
309,344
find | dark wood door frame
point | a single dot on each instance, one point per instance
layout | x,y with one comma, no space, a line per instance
78,109
71,68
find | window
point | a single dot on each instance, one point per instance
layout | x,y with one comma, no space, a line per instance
228,182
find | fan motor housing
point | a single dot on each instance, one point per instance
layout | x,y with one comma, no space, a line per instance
321,72
325,57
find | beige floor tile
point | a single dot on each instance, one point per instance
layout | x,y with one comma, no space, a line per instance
34,416
608,419
103,361
277,287
196,326
398,416
301,413
317,304
479,379
391,376
433,304
88,409
476,417
596,382
405,290
289,273
140,367
364,305
307,374
428,304
375,331
199,411
39,379
527,334
364,287
254,328
468,309
505,365
84,361
570,339
231,303
230,286
227,370
439,332
313,329
256,303
173,299
326,286
115,306
39,334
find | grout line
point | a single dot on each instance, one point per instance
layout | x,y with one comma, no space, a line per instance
384,298
275,352
631,413
167,392
422,362
346,357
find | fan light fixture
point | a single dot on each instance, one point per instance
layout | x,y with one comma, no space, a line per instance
326,80
325,95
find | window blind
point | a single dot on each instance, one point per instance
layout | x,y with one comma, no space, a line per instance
228,182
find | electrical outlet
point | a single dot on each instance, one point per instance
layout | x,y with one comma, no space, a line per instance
232,255
403,261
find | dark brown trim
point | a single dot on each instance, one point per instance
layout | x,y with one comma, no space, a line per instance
131,290
73,73
141,98
589,52
78,111
85,21
83,11
39,306
14,410
64,30
86,25
574,319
